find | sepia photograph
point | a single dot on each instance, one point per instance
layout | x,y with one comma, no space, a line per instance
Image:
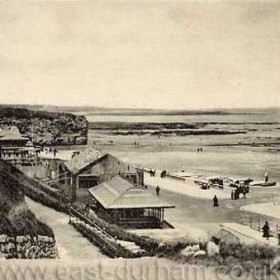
139,139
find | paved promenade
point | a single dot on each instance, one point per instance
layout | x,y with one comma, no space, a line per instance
187,187
248,235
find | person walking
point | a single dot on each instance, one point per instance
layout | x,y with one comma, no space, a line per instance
266,177
266,230
157,190
232,195
215,201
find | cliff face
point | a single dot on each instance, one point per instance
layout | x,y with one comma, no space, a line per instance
46,128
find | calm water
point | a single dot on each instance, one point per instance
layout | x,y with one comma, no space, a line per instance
248,116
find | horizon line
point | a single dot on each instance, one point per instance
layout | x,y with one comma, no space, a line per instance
142,109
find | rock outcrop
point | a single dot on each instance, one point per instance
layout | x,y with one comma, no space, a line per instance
46,128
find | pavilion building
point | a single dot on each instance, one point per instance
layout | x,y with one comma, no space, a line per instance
14,147
119,201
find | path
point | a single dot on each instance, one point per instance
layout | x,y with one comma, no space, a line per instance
187,187
71,244
194,217
271,209
248,235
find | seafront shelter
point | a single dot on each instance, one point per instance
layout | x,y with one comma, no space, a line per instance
124,203
14,147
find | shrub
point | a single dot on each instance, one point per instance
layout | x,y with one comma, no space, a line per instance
247,252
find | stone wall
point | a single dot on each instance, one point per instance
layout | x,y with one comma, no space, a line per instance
22,235
27,247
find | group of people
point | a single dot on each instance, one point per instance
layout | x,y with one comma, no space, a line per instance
235,194
199,149
48,150
75,153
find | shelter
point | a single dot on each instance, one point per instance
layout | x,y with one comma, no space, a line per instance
15,147
121,202
92,167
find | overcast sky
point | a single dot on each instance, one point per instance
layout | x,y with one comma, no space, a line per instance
144,54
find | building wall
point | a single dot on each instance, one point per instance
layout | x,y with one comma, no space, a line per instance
111,166
106,168
13,143
228,237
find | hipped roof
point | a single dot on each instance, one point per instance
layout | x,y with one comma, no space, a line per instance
12,134
118,193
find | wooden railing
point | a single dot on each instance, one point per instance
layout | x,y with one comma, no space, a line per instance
258,223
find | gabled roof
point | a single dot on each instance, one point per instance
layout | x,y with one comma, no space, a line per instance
119,193
83,159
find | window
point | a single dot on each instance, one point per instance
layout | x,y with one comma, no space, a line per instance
88,181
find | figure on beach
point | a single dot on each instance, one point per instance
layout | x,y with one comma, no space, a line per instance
266,230
266,177
215,201
163,174
157,190
232,195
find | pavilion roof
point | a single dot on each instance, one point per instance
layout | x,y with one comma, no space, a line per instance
12,134
118,193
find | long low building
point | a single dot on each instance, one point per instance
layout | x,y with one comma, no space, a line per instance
121,202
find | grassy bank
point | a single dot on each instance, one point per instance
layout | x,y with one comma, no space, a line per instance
15,217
